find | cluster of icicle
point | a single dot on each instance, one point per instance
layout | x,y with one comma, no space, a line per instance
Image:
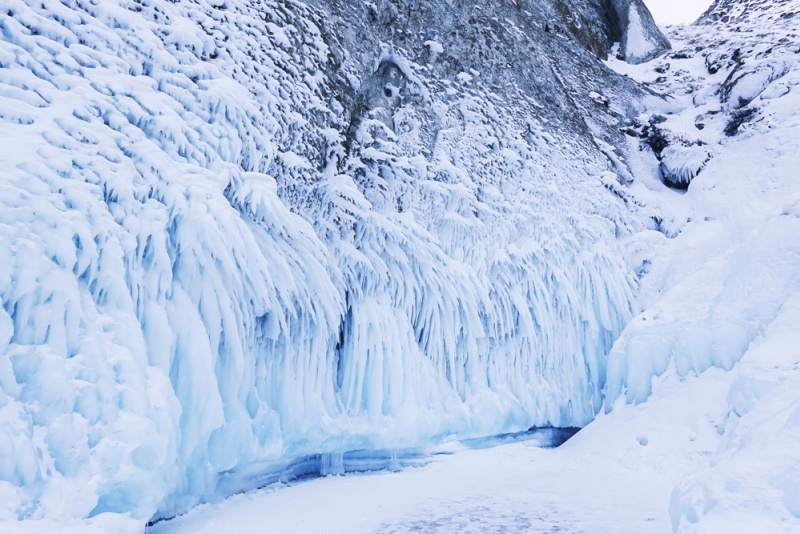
198,282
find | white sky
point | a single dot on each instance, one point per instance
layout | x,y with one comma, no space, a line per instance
676,11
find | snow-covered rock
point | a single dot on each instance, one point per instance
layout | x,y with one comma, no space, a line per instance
640,38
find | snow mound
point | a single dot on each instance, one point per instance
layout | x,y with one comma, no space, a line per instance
754,483
746,83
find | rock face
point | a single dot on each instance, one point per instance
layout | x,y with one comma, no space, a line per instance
522,51
268,231
639,37
739,11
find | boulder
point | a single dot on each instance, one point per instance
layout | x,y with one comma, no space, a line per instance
640,39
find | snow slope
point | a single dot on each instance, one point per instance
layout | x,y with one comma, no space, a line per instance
723,278
235,235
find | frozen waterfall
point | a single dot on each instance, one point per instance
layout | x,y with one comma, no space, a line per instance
205,271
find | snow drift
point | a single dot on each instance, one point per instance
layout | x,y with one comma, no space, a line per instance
718,330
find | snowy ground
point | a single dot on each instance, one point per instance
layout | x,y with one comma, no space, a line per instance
512,488
714,447
614,476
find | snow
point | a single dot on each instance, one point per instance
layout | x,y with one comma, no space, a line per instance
636,43
721,292
434,46
701,425
615,476
754,482
203,282
213,280
641,39
516,488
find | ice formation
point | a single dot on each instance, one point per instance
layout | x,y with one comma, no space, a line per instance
243,239
210,266
681,163
702,415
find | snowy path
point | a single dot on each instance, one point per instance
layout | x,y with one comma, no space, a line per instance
512,488
615,476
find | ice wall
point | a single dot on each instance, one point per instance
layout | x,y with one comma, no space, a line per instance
209,265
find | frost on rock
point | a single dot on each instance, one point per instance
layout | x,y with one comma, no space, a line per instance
227,243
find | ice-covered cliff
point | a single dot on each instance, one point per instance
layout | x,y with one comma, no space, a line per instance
702,398
237,233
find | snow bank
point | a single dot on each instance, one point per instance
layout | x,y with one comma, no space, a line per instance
709,317
640,39
753,484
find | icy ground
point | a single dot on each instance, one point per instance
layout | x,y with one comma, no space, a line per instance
709,445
